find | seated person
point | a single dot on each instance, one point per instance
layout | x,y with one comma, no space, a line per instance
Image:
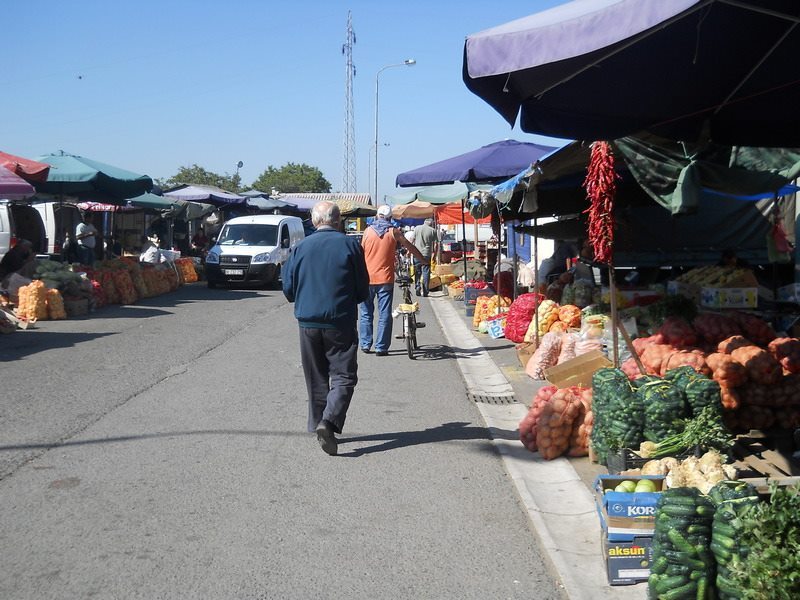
20,260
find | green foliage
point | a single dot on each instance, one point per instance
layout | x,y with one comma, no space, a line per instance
771,570
672,306
292,178
198,175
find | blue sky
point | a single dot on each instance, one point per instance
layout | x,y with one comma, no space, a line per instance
155,85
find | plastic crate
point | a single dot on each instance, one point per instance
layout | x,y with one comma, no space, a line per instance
472,294
470,308
625,459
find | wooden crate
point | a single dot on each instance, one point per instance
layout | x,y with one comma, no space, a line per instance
766,457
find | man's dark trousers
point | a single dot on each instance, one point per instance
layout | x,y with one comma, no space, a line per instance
330,366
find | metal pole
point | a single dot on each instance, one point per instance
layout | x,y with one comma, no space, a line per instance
406,63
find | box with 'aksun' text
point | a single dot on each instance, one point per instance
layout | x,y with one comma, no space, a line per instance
626,515
628,562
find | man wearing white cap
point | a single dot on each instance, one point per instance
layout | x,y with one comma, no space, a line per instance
380,245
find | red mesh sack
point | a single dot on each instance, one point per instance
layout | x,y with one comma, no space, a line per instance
519,316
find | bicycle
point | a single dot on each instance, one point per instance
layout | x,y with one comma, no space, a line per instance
408,309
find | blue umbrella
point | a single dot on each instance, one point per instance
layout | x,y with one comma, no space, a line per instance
490,163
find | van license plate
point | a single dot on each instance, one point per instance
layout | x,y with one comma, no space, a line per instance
233,271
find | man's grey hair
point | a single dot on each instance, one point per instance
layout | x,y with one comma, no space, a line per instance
429,222
325,213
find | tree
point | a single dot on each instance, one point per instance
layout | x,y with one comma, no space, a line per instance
198,175
292,178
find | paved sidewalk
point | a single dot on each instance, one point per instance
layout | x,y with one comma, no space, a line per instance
556,494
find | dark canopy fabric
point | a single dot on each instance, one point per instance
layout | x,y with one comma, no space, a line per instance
684,69
208,194
489,163
676,176
648,236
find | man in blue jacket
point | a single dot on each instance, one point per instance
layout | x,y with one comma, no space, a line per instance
326,278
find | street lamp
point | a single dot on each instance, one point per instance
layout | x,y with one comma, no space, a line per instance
406,63
370,150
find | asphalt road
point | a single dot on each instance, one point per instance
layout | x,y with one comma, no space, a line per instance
159,451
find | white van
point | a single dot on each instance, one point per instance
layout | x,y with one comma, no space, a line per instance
252,249
18,221
60,221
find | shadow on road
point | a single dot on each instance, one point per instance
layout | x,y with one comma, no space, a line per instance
25,343
446,432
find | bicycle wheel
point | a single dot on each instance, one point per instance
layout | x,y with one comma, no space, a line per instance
410,344
413,330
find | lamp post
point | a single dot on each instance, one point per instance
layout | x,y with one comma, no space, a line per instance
406,63
369,165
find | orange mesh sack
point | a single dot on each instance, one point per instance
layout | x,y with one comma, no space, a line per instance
554,429
582,429
527,427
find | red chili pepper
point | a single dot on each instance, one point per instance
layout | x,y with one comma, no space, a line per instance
601,187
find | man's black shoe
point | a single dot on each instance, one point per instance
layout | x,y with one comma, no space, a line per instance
382,353
326,438
366,350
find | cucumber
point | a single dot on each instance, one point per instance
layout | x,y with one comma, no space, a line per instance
702,588
723,540
690,589
673,569
724,529
680,542
660,565
722,554
679,510
670,583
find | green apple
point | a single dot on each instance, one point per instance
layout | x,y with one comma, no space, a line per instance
646,485
626,486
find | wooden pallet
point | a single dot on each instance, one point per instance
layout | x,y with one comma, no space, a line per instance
766,457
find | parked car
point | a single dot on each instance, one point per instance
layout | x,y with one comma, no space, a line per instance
19,221
252,249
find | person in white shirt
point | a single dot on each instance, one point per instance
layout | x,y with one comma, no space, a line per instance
86,237
150,252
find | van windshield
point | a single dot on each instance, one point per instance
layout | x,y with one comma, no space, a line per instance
248,235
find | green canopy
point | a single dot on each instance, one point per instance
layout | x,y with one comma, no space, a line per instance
437,194
91,180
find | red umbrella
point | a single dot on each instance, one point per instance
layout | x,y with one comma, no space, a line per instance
28,169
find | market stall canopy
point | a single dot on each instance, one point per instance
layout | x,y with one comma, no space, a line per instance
254,193
456,214
88,206
13,187
683,69
267,203
172,207
29,170
352,209
89,179
490,163
437,194
673,174
208,194
414,210
648,236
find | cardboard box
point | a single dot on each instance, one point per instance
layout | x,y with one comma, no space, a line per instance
628,562
626,515
524,352
578,370
444,269
687,290
729,297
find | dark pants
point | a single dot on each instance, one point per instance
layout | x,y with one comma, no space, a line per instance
330,366
86,255
422,275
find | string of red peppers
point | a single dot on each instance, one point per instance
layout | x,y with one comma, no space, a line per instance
601,187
